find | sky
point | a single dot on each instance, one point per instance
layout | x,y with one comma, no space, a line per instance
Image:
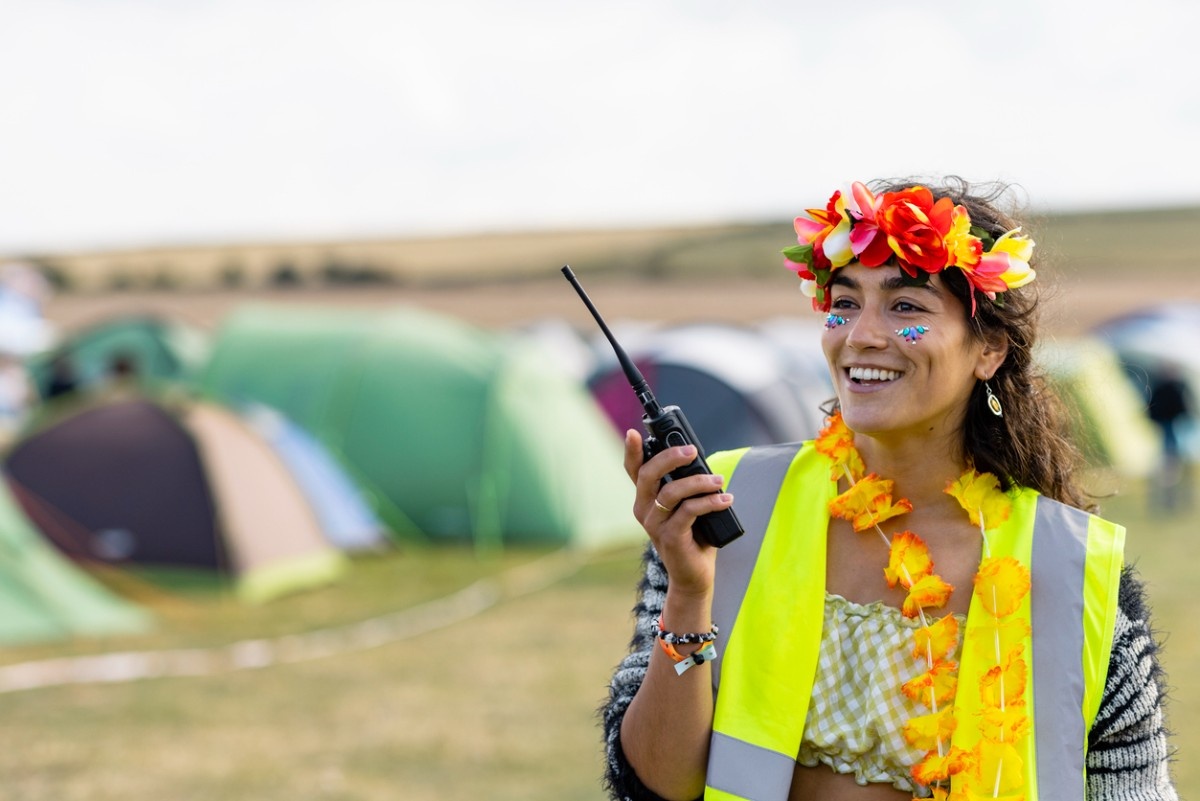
131,123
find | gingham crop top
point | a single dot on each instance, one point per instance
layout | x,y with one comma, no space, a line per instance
857,711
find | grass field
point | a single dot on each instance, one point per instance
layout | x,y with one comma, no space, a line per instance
498,706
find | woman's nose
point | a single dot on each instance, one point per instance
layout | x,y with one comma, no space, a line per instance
868,329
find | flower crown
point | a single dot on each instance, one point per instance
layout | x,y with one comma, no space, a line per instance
921,235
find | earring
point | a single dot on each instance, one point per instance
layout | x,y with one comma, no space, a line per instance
912,333
833,321
993,403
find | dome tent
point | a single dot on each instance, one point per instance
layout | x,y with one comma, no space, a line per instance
44,597
453,432
736,385
128,482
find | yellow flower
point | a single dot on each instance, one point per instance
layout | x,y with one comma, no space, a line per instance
1000,766
935,768
979,494
931,592
940,681
1001,583
1006,725
990,635
1004,685
908,560
836,441
926,731
937,640
868,503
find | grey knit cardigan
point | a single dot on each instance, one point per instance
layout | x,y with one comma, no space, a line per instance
1128,755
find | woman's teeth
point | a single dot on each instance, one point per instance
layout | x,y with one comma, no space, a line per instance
871,374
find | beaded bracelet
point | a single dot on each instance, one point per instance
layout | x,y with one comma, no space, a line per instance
683,639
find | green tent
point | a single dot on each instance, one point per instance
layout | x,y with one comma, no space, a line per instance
44,597
153,349
454,432
1108,417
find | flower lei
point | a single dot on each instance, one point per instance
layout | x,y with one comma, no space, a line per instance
921,235
993,767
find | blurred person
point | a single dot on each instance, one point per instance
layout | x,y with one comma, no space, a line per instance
1170,409
16,396
909,579
63,378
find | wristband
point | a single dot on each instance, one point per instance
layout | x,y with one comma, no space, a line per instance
672,638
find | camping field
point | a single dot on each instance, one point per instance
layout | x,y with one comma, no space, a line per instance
487,686
499,705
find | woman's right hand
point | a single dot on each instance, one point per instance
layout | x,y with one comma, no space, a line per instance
668,511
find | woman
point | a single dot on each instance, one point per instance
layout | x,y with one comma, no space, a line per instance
906,613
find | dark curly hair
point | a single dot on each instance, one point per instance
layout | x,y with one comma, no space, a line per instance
1030,444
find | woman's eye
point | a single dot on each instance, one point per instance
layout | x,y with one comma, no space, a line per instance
842,303
905,306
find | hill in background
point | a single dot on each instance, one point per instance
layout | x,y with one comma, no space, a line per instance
1102,245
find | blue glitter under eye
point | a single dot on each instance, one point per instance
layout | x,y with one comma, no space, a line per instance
911,333
834,320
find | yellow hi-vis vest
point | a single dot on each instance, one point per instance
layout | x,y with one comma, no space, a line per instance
770,587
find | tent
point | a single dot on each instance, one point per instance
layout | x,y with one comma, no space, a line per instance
1154,342
736,386
155,350
126,482
44,597
453,432
1109,417
345,517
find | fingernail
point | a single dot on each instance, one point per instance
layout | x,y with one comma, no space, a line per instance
725,497
689,450
718,480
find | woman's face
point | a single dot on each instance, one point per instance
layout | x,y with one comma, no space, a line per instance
889,384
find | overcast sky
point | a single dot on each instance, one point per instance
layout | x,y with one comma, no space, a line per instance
136,122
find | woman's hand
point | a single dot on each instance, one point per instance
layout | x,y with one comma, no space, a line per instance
668,511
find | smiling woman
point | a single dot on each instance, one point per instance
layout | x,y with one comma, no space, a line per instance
1037,679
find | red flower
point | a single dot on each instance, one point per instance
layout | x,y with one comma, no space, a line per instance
916,228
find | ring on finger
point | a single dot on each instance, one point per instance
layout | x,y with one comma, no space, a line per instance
666,509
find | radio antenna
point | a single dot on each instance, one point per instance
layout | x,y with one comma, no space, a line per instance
640,386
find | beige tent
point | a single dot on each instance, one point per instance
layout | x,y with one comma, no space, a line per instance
129,482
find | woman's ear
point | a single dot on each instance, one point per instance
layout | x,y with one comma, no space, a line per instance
990,359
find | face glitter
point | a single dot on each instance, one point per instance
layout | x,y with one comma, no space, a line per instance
911,333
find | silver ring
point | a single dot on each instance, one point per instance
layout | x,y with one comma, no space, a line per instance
660,506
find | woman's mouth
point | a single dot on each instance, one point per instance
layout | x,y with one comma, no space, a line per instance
872,375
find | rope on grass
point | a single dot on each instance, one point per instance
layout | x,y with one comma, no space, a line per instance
393,627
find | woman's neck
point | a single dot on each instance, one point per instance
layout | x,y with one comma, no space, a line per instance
919,468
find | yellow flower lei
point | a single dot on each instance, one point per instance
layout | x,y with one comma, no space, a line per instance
993,767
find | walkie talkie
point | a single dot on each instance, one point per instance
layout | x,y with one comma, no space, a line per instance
666,427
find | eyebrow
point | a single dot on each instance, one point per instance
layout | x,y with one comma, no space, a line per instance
891,283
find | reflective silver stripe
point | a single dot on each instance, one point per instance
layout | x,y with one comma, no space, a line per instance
745,770
755,485
1058,564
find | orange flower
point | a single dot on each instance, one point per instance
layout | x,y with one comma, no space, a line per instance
937,640
868,503
926,731
1007,725
1004,685
934,768
908,561
979,494
1001,583
990,635
931,592
940,680
837,442
963,248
